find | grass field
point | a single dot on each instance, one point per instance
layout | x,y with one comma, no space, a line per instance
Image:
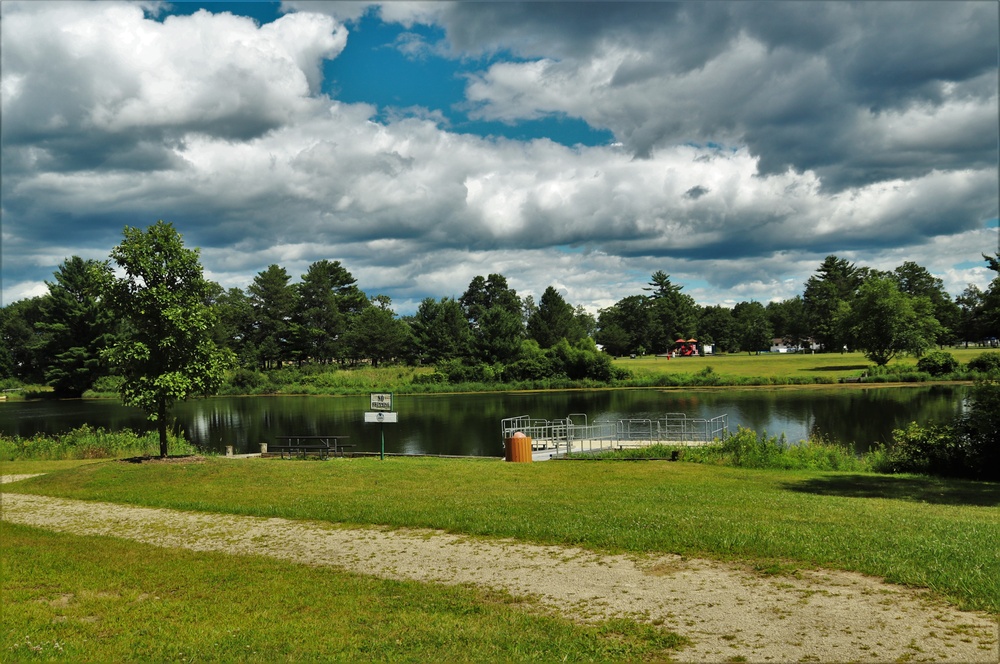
796,365
933,533
98,599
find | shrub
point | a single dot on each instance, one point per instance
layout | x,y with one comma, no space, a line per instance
987,363
937,363
979,429
927,450
10,384
581,360
429,379
247,379
107,384
620,373
748,449
532,363
459,372
969,447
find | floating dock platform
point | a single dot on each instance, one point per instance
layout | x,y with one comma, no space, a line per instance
575,434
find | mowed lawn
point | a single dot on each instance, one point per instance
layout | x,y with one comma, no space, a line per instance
99,599
939,534
786,365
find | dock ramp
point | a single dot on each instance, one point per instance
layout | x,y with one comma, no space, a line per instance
575,434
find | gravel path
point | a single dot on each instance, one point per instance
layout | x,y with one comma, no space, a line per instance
729,612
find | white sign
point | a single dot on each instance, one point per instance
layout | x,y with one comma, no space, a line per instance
382,417
381,401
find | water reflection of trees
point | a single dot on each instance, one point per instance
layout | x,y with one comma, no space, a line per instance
469,424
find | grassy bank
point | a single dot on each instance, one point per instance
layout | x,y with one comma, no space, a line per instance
820,367
737,369
650,371
933,533
63,601
88,442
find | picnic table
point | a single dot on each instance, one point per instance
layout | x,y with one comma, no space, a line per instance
322,446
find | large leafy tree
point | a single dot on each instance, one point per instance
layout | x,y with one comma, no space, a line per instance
788,321
752,327
75,326
376,334
990,306
494,312
672,313
970,314
484,294
167,352
441,331
614,339
328,300
274,302
624,327
236,324
888,323
554,319
915,280
586,321
499,335
827,300
715,325
19,339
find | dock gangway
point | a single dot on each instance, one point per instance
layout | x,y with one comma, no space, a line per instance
575,434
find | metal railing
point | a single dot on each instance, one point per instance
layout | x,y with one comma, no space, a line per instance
574,433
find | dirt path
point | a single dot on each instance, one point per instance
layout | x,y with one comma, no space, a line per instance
728,612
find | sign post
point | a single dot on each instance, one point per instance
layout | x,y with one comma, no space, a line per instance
381,412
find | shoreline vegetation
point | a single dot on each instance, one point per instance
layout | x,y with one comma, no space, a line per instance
956,449
728,370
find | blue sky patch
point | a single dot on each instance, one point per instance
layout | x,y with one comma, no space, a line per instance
374,69
262,12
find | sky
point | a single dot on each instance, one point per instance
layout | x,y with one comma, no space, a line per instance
579,145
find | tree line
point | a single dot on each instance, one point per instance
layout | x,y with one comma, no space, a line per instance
490,333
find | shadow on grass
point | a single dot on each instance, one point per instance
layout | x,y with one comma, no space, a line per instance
846,367
915,489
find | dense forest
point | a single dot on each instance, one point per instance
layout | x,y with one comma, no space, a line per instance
491,333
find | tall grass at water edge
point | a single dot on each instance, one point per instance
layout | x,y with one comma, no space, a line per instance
87,442
749,449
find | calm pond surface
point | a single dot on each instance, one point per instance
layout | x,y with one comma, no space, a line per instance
469,424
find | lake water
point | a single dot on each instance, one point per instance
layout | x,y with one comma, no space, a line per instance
469,424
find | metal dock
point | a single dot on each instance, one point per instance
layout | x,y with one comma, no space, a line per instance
575,434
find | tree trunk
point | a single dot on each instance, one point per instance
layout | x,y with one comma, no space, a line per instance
161,425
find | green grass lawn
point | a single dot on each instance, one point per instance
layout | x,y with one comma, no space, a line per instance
933,533
795,365
29,467
97,599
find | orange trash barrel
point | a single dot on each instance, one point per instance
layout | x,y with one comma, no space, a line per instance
517,448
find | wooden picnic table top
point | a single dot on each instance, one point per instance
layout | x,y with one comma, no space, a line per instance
324,445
